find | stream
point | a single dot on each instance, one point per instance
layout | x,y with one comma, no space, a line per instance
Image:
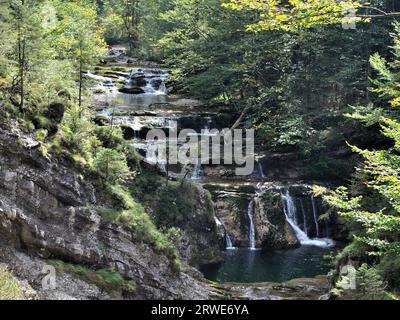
152,107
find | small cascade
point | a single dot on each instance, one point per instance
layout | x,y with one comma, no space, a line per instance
229,244
197,171
304,216
291,217
261,170
149,81
252,231
228,240
163,167
315,215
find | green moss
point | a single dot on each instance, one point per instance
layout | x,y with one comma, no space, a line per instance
209,205
9,287
354,251
110,281
133,215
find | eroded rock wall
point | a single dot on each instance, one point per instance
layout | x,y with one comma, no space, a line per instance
49,211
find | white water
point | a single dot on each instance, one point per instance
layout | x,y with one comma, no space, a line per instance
304,217
252,232
290,213
151,75
260,168
229,244
228,240
315,215
197,171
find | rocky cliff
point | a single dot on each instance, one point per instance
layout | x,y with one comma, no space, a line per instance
48,211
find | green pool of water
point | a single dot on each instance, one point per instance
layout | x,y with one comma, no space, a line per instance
246,266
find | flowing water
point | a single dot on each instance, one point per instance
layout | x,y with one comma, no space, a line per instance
240,265
252,231
315,216
229,244
197,171
291,217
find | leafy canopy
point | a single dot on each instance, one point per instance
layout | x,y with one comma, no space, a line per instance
294,15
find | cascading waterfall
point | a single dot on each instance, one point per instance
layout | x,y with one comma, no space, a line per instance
228,240
229,244
290,213
315,215
197,171
252,231
152,81
304,217
261,170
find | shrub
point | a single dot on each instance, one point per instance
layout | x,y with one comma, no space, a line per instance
176,202
389,269
110,281
9,287
112,166
134,217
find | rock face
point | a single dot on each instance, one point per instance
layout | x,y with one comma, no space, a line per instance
296,289
202,241
272,229
48,211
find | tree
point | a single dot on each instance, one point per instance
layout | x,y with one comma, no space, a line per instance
112,166
371,205
296,15
80,37
28,47
127,13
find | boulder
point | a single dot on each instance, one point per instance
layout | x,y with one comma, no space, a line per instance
128,132
156,83
131,90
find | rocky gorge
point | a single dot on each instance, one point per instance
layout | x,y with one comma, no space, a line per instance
49,212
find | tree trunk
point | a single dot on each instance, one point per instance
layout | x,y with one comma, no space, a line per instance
80,83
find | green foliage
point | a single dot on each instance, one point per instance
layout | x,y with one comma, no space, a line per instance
112,138
389,269
176,203
77,135
368,115
354,251
112,166
371,205
10,289
138,221
47,42
369,285
295,15
107,280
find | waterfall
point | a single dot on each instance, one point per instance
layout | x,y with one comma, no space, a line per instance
261,170
304,216
228,240
163,167
315,215
229,244
252,232
290,213
197,171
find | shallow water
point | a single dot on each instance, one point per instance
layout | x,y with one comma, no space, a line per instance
248,266
138,100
